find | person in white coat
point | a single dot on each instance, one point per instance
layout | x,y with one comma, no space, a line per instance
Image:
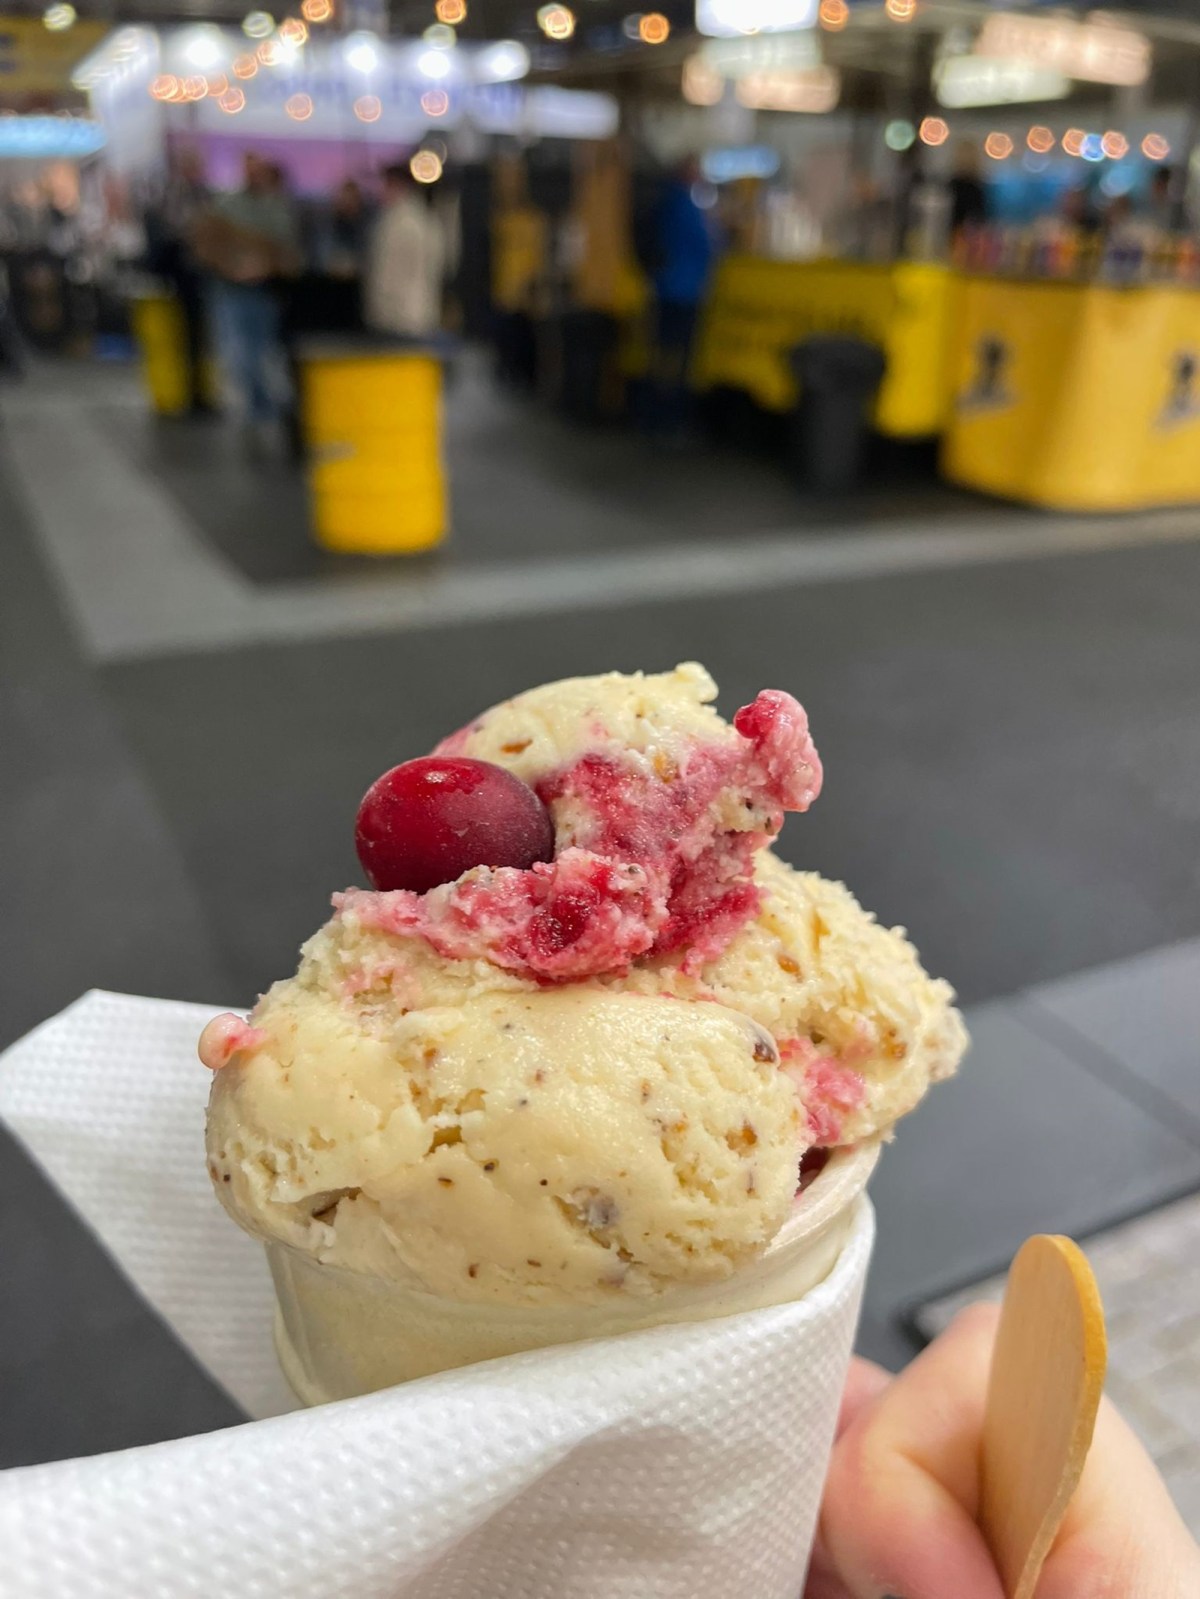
406,262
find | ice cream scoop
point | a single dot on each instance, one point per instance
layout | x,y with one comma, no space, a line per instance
595,1074
564,1143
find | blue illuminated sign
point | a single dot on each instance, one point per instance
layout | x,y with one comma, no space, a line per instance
49,138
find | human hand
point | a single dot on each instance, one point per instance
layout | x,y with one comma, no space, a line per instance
898,1519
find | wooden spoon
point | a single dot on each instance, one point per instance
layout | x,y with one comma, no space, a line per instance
1047,1377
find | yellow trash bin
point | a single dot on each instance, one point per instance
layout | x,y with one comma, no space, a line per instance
372,427
158,327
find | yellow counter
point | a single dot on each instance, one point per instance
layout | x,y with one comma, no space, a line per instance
759,309
1076,396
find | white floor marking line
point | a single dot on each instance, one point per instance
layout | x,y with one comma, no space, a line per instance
130,565
141,581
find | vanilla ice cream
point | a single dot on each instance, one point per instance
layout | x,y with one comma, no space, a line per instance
594,1076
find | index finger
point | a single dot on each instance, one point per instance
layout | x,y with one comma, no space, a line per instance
903,1489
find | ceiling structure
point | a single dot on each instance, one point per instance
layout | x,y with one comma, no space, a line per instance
873,53
599,22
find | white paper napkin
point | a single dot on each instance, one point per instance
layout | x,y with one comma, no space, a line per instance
684,1461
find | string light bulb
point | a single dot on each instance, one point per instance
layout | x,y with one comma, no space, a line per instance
1072,141
317,10
556,22
1114,144
933,131
900,10
426,166
1040,139
299,107
1155,147
833,15
368,108
232,101
451,12
362,52
653,28
998,145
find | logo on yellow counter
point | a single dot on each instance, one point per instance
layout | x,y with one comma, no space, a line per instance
988,389
1183,399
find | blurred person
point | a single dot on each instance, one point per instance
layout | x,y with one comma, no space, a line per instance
249,241
405,262
62,229
1057,237
900,1509
1165,203
1073,210
170,254
862,225
968,196
340,256
12,360
1118,215
930,232
117,236
1078,211
285,285
342,237
287,212
682,251
791,228
1131,240
278,185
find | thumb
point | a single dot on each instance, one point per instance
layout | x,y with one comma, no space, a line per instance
1121,1535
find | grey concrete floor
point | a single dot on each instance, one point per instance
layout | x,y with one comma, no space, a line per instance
1012,753
524,482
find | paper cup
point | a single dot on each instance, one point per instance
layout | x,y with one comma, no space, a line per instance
341,1333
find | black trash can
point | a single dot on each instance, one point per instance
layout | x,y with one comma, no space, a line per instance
514,342
838,378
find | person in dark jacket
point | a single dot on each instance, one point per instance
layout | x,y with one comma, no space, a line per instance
170,253
682,265
340,257
968,196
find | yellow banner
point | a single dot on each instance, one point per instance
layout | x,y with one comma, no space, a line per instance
1076,396
35,61
519,241
759,310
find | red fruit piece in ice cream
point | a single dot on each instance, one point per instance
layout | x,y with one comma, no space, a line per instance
430,820
812,1163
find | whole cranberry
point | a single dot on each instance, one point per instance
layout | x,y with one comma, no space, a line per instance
430,820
